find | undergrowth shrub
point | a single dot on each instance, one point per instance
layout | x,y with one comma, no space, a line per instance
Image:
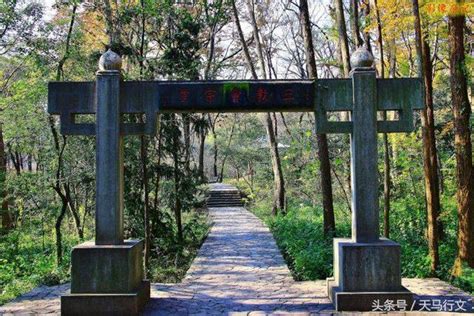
309,254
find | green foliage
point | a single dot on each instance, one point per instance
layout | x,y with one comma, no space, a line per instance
180,57
300,236
466,280
171,260
309,254
28,259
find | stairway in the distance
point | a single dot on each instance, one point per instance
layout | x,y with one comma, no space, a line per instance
224,195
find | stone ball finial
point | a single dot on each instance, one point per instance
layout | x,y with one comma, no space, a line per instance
362,58
110,61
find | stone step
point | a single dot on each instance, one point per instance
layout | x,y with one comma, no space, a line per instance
224,196
225,203
224,200
224,192
236,197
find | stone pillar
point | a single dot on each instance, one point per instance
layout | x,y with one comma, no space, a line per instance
107,275
366,267
364,174
109,160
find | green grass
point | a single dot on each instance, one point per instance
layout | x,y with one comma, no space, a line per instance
299,235
28,259
309,254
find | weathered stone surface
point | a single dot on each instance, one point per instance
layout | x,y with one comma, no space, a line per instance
367,267
106,280
364,177
110,61
126,304
107,269
153,97
109,161
362,58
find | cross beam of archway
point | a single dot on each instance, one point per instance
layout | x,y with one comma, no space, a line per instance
149,98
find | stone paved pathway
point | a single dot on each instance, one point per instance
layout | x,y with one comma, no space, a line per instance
238,271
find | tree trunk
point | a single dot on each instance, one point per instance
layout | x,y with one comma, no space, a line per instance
245,47
177,198
214,135
156,201
463,145
366,33
60,70
7,221
187,142
323,151
386,185
256,34
346,67
112,28
355,23
210,58
57,226
144,155
74,212
202,143
146,202
15,161
224,159
212,123
57,186
30,163
386,145
430,161
279,182
343,41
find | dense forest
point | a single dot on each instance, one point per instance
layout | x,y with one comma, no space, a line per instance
296,181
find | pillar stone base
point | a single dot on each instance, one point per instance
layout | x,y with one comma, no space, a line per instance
106,303
107,279
365,273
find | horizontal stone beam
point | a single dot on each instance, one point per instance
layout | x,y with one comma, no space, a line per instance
69,99
186,96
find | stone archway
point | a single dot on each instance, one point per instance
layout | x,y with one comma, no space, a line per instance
107,275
